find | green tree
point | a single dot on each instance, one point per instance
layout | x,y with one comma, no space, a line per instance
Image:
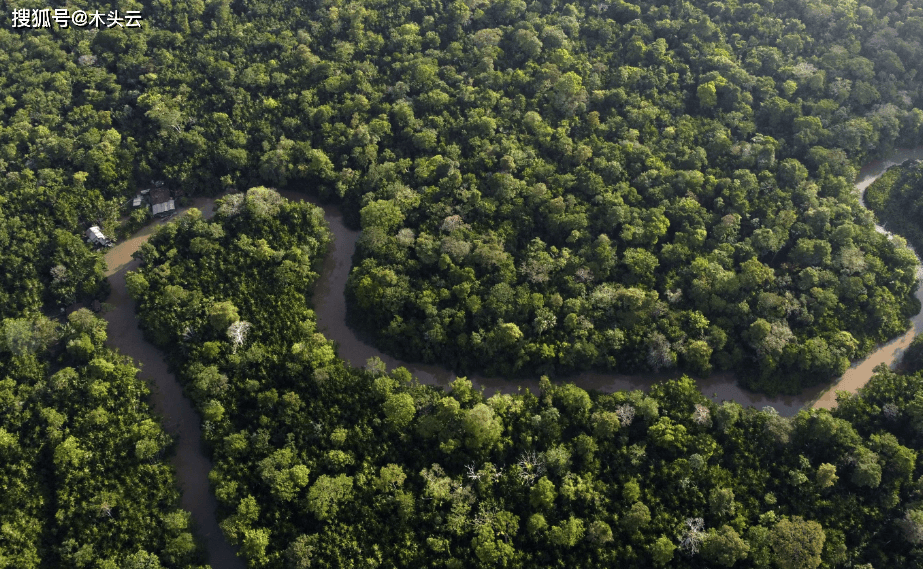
222,314
637,517
383,214
724,546
708,95
567,534
826,475
399,410
721,502
797,543
327,494
662,551
542,495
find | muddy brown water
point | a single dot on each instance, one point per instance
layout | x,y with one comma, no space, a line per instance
330,308
193,465
191,460
860,373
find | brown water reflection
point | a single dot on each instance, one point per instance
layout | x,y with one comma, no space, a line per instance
191,459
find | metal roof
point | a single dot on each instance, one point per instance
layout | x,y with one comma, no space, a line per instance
94,234
164,207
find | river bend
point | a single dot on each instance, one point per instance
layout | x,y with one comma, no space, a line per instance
191,459
193,464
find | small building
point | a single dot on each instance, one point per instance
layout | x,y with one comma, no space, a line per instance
162,203
164,208
95,237
159,195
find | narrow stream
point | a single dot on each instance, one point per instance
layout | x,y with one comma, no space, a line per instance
193,464
860,373
330,307
191,460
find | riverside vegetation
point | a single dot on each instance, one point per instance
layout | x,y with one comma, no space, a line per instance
81,455
541,187
548,187
319,464
897,200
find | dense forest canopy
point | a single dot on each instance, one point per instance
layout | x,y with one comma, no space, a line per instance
82,456
319,464
541,187
551,186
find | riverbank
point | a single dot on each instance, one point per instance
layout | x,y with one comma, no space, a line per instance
861,372
190,460
330,307
192,463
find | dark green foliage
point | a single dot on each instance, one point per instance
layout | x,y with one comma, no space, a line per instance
912,360
542,188
318,463
82,456
564,213
67,159
897,200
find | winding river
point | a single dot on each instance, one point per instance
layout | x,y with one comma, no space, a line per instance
180,419
861,371
193,464
330,307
